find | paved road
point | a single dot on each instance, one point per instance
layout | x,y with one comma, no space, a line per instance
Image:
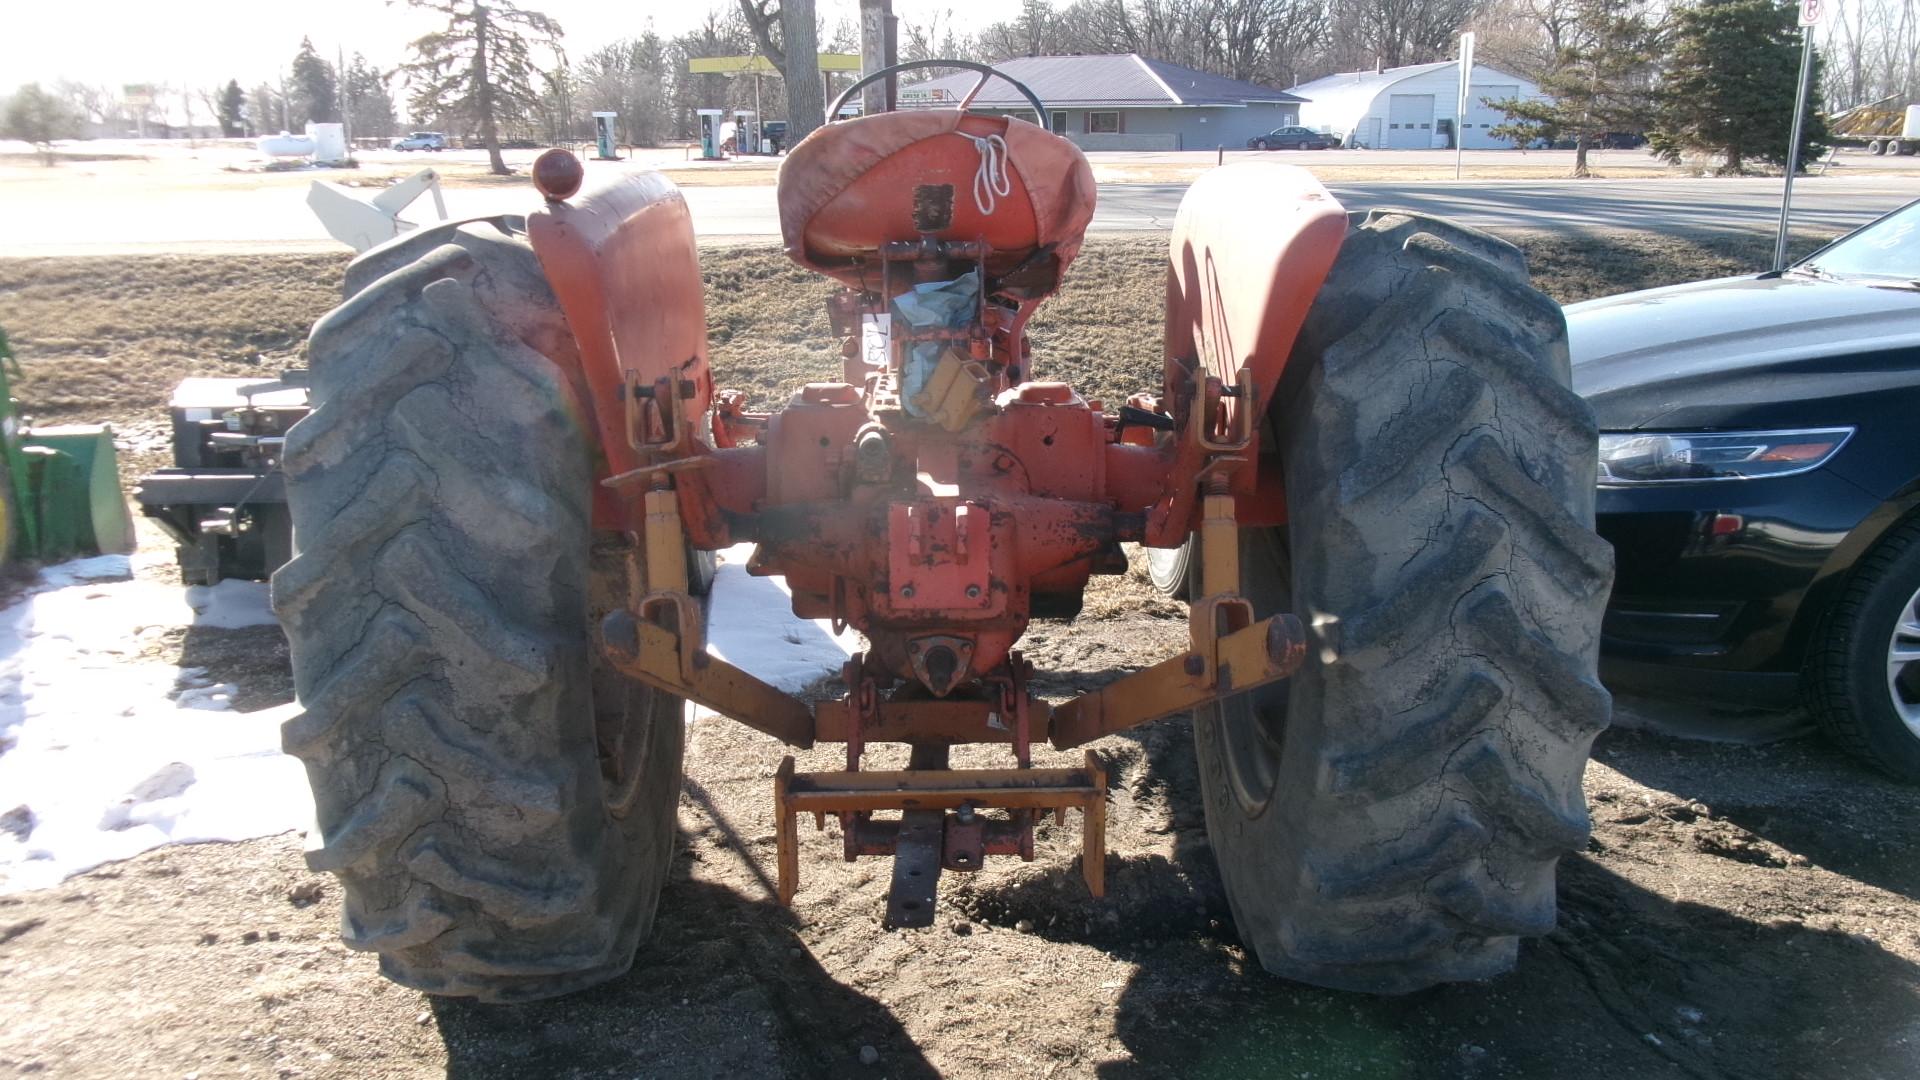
1697,207
1673,207
276,218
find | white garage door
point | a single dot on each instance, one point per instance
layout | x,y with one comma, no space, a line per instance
1482,118
1410,121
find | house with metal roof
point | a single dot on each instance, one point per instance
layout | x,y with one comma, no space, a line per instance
1122,101
1412,107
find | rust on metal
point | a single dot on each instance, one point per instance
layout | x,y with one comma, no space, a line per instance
652,655
940,720
942,811
935,511
1253,656
916,869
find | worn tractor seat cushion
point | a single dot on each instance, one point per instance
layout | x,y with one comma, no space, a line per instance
851,186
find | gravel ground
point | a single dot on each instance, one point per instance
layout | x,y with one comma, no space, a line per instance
1742,911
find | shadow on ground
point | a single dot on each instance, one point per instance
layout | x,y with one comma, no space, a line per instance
723,988
1632,983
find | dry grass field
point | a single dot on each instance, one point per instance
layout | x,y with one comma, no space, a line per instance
106,338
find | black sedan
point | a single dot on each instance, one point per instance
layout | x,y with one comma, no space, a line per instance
1293,138
1760,484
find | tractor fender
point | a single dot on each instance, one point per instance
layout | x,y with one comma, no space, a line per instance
1252,243
622,263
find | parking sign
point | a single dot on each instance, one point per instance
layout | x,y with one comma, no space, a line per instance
1813,12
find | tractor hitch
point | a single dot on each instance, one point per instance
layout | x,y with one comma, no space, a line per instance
942,824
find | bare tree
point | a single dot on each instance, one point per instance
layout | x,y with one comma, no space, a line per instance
795,54
1868,48
934,39
633,78
94,104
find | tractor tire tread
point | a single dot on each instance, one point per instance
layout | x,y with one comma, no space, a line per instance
1440,478
438,610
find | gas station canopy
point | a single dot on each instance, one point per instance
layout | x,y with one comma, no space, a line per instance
760,65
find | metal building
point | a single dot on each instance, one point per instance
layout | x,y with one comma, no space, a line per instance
1124,101
1410,108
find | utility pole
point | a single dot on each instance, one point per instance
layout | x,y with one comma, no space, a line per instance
343,97
878,50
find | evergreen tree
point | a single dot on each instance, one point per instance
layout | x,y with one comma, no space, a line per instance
1729,86
34,116
1601,81
315,90
366,101
232,110
480,69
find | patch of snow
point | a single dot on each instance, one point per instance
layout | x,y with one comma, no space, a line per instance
79,571
105,754
231,605
751,624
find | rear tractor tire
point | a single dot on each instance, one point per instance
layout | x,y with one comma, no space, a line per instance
1390,817
498,806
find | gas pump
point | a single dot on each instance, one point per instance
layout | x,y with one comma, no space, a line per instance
746,126
710,137
603,135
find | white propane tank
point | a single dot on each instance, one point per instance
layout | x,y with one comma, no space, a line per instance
284,145
1911,129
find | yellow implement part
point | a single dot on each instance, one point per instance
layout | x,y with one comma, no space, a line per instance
1254,656
652,655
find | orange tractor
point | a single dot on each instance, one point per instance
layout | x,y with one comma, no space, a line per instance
518,457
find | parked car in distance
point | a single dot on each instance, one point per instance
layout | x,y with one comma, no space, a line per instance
1760,484
422,140
1293,138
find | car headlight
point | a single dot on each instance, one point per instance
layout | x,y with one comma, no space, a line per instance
1631,457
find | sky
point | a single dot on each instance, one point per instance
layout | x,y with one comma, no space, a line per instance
206,42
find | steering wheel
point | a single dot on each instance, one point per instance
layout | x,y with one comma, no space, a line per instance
986,73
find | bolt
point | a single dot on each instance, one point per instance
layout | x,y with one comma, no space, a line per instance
965,814
1195,664
973,592
906,591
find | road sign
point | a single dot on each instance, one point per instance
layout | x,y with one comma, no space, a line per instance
1813,12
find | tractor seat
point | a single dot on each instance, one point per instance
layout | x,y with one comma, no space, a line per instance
852,186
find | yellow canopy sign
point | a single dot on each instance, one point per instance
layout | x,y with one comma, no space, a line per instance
760,65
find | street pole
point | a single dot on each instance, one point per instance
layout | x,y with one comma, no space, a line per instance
342,99
875,54
1460,105
1811,12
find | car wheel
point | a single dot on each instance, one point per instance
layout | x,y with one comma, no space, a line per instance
1171,570
1306,145
1865,677
1259,144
